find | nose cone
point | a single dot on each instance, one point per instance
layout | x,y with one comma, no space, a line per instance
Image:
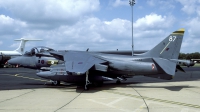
46,74
22,61
15,61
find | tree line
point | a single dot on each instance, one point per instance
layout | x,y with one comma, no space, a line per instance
189,56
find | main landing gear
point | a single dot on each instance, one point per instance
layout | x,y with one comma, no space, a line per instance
55,83
119,79
87,82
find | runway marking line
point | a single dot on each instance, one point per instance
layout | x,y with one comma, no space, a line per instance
17,75
154,99
17,96
110,105
115,101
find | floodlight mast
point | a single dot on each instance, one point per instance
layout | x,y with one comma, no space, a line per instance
132,2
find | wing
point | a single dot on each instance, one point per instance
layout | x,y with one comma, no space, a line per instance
80,61
58,55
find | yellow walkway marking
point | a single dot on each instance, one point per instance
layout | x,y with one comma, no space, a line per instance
154,99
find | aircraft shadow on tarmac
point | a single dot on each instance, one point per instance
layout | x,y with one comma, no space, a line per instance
107,86
14,83
135,86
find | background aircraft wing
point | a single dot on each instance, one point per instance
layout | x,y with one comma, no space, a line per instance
80,61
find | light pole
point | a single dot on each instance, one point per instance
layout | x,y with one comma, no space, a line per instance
132,2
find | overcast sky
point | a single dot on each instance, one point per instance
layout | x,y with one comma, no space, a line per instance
98,24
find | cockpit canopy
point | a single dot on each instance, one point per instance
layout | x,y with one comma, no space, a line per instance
39,49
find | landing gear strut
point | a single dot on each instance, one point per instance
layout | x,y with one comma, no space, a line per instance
119,79
87,82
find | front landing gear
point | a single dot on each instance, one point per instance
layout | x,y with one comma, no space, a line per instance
87,82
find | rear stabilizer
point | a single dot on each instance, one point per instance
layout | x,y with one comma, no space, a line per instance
167,66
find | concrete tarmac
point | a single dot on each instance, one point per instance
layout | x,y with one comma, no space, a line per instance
21,91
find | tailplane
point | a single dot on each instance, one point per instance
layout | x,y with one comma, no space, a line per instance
169,48
21,47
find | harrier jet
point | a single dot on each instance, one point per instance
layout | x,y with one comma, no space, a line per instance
89,67
40,58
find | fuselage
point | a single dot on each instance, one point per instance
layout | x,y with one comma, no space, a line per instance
10,53
130,65
33,61
6,55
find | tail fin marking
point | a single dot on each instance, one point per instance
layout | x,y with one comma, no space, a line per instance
169,48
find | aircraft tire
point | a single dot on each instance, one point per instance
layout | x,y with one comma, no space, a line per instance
86,87
118,82
55,83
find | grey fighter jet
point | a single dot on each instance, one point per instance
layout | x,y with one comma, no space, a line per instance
159,62
39,57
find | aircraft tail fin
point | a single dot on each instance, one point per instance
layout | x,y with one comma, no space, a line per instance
169,48
21,47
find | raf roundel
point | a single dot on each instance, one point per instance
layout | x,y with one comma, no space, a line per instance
42,61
